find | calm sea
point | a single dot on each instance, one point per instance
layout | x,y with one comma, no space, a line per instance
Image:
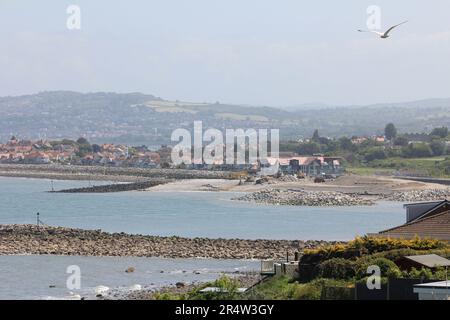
45,277
189,214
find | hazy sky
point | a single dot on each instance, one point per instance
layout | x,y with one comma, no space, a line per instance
262,52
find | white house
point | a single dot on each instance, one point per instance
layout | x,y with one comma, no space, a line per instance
433,290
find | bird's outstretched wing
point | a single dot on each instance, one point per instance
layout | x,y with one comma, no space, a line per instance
390,29
373,31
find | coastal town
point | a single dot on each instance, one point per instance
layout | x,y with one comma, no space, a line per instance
224,159
405,154
78,152
81,152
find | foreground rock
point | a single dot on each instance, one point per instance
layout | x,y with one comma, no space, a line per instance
31,239
419,195
245,280
304,198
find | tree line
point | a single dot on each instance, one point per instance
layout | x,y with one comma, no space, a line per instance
407,145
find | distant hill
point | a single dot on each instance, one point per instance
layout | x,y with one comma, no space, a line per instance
136,118
127,118
425,103
415,116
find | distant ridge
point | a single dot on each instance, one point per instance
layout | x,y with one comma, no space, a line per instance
424,103
136,118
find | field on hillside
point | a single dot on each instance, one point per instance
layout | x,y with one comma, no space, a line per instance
437,167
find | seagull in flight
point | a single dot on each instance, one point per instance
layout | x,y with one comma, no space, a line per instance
384,35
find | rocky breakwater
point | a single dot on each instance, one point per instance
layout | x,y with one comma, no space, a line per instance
304,198
418,195
54,171
31,239
115,187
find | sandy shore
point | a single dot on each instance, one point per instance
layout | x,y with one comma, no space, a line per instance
198,185
367,188
31,239
349,184
194,180
349,190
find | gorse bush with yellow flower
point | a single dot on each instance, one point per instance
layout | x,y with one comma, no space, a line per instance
342,261
368,245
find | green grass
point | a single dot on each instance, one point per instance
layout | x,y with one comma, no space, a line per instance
369,171
437,167
284,288
276,288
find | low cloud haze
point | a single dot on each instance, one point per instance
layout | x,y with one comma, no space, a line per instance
276,53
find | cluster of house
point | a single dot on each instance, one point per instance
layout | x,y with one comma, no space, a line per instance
27,151
359,140
286,164
121,155
66,152
46,152
355,139
306,165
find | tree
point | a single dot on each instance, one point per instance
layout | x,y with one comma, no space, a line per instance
401,141
440,132
390,132
82,141
68,142
309,148
84,147
375,153
437,148
417,150
315,136
346,144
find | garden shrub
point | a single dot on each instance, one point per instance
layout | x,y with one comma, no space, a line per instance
368,245
336,268
363,250
425,274
388,268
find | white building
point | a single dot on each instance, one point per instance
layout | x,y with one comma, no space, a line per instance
433,290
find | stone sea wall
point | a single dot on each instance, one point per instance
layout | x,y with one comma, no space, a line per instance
97,172
31,239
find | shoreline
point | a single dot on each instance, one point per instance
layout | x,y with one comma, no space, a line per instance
346,190
204,180
46,240
244,279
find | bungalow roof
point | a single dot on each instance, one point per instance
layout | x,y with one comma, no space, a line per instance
430,260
